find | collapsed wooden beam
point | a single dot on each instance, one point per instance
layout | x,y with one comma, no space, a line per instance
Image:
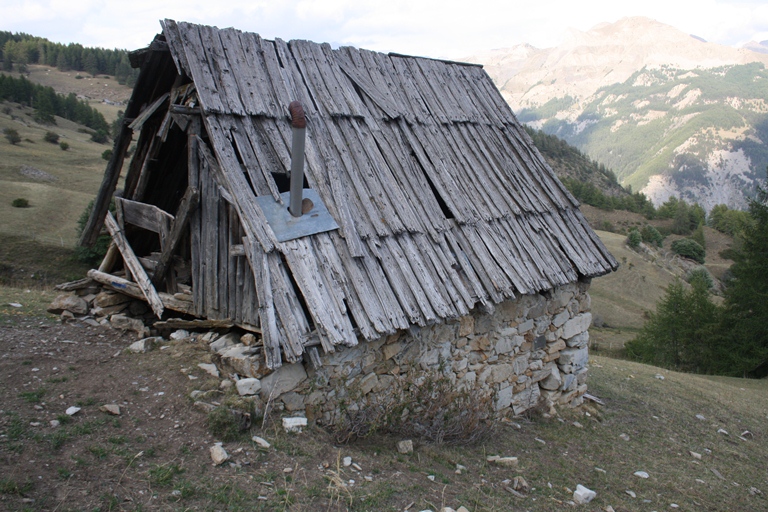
131,289
133,264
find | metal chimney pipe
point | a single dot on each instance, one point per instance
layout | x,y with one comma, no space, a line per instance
299,128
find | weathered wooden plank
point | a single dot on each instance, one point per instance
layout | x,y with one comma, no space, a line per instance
291,314
148,112
244,72
249,144
250,215
180,323
309,68
74,285
366,85
293,78
257,259
133,264
262,86
131,289
406,82
335,79
330,321
223,70
146,216
198,67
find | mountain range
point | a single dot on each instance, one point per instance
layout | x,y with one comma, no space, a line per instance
669,112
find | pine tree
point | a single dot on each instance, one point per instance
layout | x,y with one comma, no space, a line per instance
746,298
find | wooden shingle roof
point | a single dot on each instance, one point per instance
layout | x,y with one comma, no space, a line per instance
442,201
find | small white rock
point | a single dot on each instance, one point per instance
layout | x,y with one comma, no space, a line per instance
506,461
722,431
71,411
55,423
641,474
631,494
405,446
700,417
112,409
209,368
218,454
624,437
674,505
180,334
695,455
261,443
583,495
294,424
347,461
431,477
659,376
248,386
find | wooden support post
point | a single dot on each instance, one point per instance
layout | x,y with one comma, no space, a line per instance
132,263
108,185
187,205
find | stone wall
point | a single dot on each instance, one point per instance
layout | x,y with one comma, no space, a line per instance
527,352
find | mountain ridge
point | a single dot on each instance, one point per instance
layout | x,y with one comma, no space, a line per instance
670,113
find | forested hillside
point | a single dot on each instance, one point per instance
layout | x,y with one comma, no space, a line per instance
19,49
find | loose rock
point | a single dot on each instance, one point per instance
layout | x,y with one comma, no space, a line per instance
261,443
71,411
112,409
209,368
218,454
249,386
583,495
641,474
294,424
405,446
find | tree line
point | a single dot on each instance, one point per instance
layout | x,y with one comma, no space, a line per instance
19,49
48,103
690,332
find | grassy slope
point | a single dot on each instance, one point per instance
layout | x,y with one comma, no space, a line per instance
56,202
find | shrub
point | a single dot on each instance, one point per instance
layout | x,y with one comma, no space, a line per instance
12,136
651,235
20,202
634,238
429,407
100,137
51,137
688,248
107,154
95,253
228,424
700,274
64,146
698,236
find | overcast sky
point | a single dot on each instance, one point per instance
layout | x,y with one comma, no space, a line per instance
434,28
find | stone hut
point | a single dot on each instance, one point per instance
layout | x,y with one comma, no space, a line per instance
427,233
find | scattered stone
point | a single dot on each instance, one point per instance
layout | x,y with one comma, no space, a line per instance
624,437
356,466
248,339
209,368
112,409
462,509
294,424
460,469
346,461
180,334
15,305
520,484
224,384
405,447
659,376
695,455
224,342
722,431
754,491
126,323
609,509
577,424
260,442
287,470
748,434
641,474
143,345
55,423
249,386
68,302
504,461
631,494
717,473
700,417
218,454
431,477
71,411
674,505
582,495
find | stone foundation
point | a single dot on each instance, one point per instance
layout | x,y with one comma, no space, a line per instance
527,352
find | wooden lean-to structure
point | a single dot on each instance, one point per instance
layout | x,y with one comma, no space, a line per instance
438,202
